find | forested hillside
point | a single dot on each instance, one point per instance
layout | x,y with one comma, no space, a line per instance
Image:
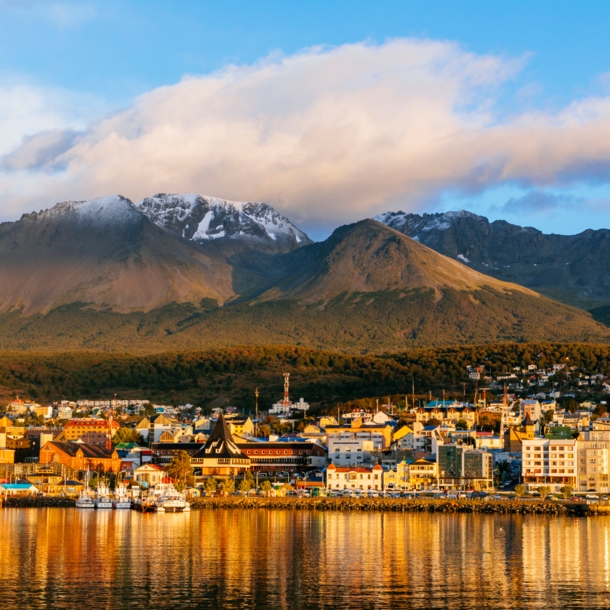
229,376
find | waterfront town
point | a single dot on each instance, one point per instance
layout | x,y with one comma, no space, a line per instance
505,442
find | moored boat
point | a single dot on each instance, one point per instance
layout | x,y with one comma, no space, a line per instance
121,500
102,498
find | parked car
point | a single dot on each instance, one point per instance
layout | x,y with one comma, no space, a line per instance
591,497
498,497
604,498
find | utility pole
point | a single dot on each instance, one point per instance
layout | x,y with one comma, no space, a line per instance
413,391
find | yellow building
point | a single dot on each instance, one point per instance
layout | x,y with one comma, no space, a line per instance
241,426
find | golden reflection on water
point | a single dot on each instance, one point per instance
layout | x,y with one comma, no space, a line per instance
65,558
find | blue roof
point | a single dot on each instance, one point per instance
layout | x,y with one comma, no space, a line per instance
16,486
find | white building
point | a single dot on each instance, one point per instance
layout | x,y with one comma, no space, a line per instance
593,458
354,478
347,450
550,462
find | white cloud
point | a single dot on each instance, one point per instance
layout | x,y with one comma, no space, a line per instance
328,133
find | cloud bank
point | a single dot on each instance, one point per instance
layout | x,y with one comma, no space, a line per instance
335,134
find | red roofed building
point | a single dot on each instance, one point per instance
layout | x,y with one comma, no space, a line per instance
91,431
354,477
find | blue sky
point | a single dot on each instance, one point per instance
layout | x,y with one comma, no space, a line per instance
523,91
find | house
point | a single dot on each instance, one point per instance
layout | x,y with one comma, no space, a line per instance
422,473
149,475
241,426
152,428
220,456
354,478
81,456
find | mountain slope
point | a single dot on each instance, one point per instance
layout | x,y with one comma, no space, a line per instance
571,268
370,257
104,252
206,219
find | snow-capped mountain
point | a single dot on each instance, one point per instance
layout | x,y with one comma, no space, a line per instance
203,219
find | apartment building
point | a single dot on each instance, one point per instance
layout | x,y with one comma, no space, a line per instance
593,469
552,462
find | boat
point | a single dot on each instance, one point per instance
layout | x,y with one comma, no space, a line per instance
102,498
164,497
84,499
121,500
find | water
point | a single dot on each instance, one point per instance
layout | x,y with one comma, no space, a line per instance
64,558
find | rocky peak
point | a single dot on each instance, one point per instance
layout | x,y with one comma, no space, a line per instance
203,219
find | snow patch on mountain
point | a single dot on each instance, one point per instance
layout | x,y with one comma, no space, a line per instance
202,218
113,210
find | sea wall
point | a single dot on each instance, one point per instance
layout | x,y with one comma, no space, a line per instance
359,504
405,505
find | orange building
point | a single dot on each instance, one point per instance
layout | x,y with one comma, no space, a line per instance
80,456
91,431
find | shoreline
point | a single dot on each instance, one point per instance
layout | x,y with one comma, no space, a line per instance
523,507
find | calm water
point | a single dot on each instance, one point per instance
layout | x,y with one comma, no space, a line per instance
58,558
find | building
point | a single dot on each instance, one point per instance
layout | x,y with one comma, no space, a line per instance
283,455
593,461
459,466
90,431
240,426
354,478
164,452
81,456
550,462
514,436
380,434
152,428
422,473
220,456
349,450
149,475
531,408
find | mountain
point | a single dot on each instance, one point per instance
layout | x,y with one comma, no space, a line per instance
370,257
105,253
209,219
368,288
572,268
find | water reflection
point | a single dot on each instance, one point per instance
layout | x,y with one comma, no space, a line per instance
257,559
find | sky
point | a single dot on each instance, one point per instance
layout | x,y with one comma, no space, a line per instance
330,111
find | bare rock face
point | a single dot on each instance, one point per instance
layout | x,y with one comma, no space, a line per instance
209,219
571,268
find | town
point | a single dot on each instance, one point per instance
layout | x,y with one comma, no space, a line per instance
506,441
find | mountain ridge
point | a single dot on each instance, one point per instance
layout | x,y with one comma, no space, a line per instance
104,275
572,268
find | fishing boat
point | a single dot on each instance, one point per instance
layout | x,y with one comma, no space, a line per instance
121,500
102,498
84,501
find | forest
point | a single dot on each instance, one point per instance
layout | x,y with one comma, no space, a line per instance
231,375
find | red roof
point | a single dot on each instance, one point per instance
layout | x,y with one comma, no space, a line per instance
92,422
354,469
